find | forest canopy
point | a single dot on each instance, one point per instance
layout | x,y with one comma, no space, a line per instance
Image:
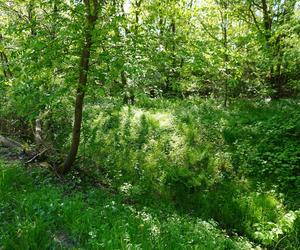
172,48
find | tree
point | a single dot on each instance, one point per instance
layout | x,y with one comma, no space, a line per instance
270,19
4,60
92,9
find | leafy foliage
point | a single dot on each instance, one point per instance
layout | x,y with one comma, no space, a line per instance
176,102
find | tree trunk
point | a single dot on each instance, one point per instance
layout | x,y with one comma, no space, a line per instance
32,18
92,15
55,16
274,50
38,133
224,17
5,66
267,20
277,77
4,61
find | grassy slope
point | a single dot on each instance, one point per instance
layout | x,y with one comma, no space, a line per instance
238,166
36,213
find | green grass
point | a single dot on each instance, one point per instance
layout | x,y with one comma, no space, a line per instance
237,166
185,174
38,213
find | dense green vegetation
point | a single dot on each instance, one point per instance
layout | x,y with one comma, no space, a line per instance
147,124
191,167
41,215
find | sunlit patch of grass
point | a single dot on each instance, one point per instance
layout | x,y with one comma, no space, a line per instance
162,119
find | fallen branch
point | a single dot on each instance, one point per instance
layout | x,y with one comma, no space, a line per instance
9,143
14,145
36,156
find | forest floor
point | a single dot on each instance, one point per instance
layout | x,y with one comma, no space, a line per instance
39,212
182,174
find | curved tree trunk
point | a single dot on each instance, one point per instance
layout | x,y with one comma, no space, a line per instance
91,18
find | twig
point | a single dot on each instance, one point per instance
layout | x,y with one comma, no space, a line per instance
280,241
56,173
36,156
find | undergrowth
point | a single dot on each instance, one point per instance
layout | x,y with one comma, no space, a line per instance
234,169
238,166
36,212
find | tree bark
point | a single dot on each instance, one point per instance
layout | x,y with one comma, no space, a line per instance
5,66
91,18
266,19
32,18
4,61
224,26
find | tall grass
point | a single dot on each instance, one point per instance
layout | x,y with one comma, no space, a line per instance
184,170
46,215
